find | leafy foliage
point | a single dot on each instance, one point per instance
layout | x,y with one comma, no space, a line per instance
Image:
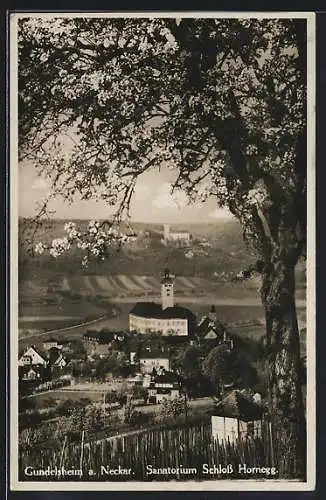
114,363
172,408
223,366
130,416
230,120
187,361
139,392
94,115
218,366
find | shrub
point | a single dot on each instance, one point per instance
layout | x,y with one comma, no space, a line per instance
172,408
130,415
84,402
26,404
49,402
139,392
111,397
65,408
30,419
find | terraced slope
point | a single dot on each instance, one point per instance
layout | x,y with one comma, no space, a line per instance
113,285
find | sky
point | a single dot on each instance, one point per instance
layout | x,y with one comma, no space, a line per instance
152,201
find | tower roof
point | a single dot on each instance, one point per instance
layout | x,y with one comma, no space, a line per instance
168,277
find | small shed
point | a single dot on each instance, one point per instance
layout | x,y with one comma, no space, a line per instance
237,417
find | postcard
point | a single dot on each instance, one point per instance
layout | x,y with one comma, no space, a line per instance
162,251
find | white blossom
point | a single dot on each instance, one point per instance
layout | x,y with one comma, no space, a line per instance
258,195
39,248
83,245
85,261
251,149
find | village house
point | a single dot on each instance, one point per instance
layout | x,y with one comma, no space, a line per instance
30,373
56,358
208,330
140,380
32,357
237,416
104,337
36,365
211,331
164,386
153,358
48,344
98,343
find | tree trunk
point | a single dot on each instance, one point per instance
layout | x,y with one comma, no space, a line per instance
283,347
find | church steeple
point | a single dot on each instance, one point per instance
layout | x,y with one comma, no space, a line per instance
167,289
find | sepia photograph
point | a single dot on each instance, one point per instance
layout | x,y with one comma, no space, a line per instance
162,251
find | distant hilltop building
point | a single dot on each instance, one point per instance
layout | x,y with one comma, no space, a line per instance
181,237
165,318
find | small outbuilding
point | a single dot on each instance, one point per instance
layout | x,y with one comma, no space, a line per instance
237,417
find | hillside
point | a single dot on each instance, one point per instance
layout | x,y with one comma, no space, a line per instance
216,253
225,251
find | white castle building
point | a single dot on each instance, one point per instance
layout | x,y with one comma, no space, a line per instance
182,236
165,318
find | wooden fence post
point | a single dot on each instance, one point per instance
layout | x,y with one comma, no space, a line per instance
82,451
271,443
62,451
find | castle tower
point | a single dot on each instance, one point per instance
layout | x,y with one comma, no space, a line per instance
167,290
166,229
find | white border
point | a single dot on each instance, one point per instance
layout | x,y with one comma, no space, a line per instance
218,485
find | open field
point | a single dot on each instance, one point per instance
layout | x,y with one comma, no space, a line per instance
66,394
67,308
96,394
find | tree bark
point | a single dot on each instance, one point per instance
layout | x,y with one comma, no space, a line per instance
283,347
